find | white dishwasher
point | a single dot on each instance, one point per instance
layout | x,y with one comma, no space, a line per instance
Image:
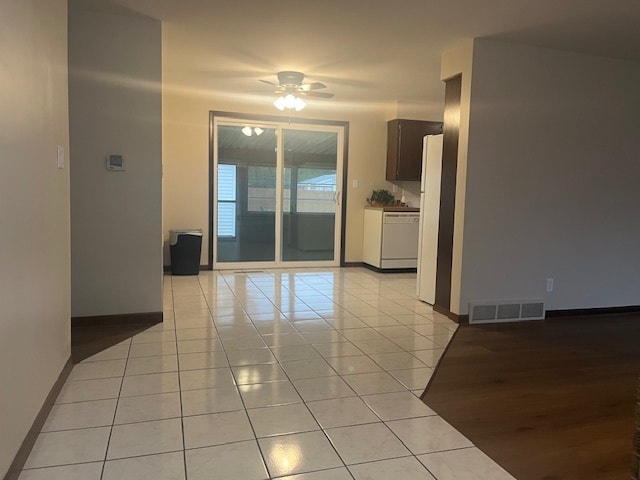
391,239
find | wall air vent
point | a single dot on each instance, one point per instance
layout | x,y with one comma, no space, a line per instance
506,311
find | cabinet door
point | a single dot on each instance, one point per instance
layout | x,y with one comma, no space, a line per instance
393,147
404,147
410,150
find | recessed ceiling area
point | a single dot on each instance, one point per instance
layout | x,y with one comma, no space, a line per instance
370,52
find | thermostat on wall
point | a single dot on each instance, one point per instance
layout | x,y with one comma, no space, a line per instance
116,163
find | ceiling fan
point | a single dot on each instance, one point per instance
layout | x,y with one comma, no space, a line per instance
291,82
290,88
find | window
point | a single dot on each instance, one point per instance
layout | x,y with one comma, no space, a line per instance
316,190
226,200
261,190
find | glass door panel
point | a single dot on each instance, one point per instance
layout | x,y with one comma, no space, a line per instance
246,189
310,182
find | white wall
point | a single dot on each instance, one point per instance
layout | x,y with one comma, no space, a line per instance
34,213
115,107
552,178
186,106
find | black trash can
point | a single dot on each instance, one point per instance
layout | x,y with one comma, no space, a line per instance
185,247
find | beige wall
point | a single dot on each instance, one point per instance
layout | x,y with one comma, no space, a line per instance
186,106
459,61
551,178
186,162
34,213
115,107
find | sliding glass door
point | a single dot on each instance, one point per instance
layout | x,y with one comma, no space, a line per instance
311,193
246,194
277,196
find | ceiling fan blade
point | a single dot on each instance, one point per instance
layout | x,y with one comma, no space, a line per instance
312,86
265,92
290,82
273,84
317,94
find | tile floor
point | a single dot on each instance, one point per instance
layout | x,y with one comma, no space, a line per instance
290,374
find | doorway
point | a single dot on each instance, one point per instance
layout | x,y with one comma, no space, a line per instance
276,193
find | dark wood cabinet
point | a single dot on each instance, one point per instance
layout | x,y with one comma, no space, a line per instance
404,147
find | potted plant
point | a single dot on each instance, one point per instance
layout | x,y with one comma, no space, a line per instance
380,198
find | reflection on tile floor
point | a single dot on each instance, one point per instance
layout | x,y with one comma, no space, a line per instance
305,374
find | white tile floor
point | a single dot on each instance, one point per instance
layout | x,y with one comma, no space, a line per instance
289,374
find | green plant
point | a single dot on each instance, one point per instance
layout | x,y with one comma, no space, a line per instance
381,197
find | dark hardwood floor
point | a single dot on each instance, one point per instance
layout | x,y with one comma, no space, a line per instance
547,400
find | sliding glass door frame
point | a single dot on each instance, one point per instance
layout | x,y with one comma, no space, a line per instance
281,124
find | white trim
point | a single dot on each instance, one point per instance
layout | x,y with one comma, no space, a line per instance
279,195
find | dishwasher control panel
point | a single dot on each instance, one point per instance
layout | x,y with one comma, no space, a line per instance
401,217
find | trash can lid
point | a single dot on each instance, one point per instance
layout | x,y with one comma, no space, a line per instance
173,234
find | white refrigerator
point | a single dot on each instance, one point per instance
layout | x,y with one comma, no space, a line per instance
429,217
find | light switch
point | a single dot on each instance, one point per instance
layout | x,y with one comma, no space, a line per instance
60,159
356,184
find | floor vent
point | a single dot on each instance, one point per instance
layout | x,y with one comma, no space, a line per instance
506,311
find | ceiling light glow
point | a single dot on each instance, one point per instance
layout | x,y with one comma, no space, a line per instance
289,102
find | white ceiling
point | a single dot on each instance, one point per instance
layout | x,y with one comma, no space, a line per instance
367,51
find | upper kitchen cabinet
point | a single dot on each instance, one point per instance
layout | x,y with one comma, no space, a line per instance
404,147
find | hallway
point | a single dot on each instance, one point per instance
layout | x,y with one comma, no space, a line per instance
288,374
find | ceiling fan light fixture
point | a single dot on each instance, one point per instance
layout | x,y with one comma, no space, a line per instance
299,104
290,90
279,103
289,102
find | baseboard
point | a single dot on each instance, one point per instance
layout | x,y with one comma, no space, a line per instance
147,318
352,264
389,270
29,441
460,319
557,315
167,268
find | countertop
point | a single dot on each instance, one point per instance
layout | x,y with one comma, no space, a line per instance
390,208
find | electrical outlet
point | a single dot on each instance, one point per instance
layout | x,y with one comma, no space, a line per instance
394,188
549,284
